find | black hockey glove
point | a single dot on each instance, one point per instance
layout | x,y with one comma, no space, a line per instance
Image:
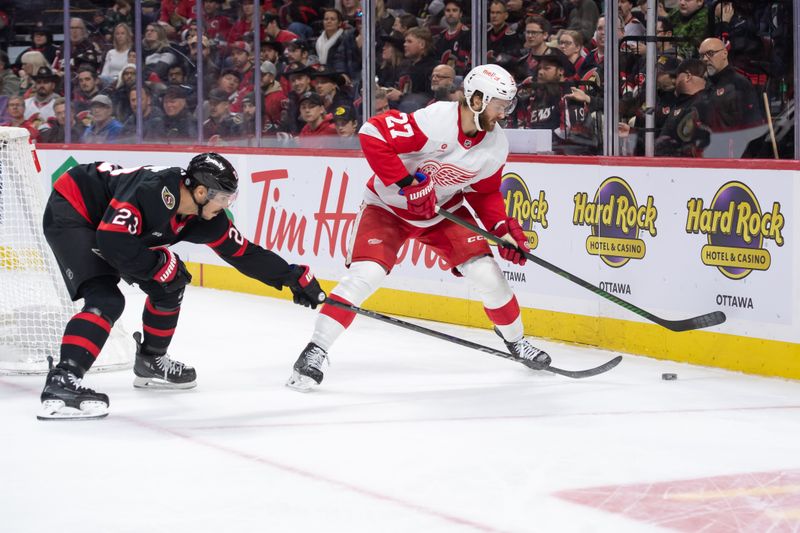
171,272
304,287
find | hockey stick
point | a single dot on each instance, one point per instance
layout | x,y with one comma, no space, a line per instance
577,374
702,321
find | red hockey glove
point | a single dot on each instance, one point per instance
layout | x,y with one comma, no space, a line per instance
171,272
421,197
304,287
510,231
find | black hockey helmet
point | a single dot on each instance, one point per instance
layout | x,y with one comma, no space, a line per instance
213,171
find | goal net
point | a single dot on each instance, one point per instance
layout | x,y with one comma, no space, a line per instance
34,303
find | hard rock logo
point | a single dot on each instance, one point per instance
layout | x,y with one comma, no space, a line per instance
521,206
736,230
616,219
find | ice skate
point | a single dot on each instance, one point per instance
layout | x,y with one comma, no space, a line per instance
307,371
63,398
160,371
528,354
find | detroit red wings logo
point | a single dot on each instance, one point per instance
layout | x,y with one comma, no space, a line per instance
446,174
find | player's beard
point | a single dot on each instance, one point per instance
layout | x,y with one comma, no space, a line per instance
484,122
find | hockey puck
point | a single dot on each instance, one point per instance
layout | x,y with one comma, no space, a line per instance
669,377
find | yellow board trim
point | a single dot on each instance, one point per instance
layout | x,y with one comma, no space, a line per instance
707,348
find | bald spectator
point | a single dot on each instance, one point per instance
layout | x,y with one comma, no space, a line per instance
41,103
9,82
443,83
583,18
690,21
733,100
452,46
104,128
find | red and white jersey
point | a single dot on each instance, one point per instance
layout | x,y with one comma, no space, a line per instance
431,140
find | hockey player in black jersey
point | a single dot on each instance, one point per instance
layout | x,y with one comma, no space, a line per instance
106,223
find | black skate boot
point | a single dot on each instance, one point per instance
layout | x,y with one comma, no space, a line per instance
527,353
159,371
63,398
307,371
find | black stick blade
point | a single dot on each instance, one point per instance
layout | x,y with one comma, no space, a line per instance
589,372
698,322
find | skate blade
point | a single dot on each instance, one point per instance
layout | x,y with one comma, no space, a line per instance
160,384
57,410
301,383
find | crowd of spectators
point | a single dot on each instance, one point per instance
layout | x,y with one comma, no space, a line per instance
716,61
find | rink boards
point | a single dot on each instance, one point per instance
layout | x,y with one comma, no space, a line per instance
675,240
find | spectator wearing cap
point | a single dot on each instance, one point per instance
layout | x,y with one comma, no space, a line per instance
152,116
329,85
501,39
733,100
88,88
157,52
392,57
221,124
666,97
41,102
117,57
229,81
9,82
126,80
104,128
346,121
452,46
300,81
272,51
274,31
554,11
689,21
82,49
275,98
53,131
242,62
179,125
312,112
686,131
16,108
215,24
583,18
41,41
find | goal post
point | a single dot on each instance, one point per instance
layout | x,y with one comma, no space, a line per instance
34,303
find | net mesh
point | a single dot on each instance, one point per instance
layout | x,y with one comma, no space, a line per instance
34,303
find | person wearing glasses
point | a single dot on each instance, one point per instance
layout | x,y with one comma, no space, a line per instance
443,84
537,33
732,98
105,224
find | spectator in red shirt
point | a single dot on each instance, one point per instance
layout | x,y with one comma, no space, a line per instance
274,31
274,95
215,24
312,111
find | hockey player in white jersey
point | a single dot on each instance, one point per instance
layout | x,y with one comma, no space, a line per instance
443,155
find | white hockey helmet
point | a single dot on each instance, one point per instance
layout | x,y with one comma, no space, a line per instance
493,81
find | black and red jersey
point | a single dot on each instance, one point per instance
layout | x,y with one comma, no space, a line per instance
135,210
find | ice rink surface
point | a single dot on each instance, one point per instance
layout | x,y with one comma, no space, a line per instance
406,434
